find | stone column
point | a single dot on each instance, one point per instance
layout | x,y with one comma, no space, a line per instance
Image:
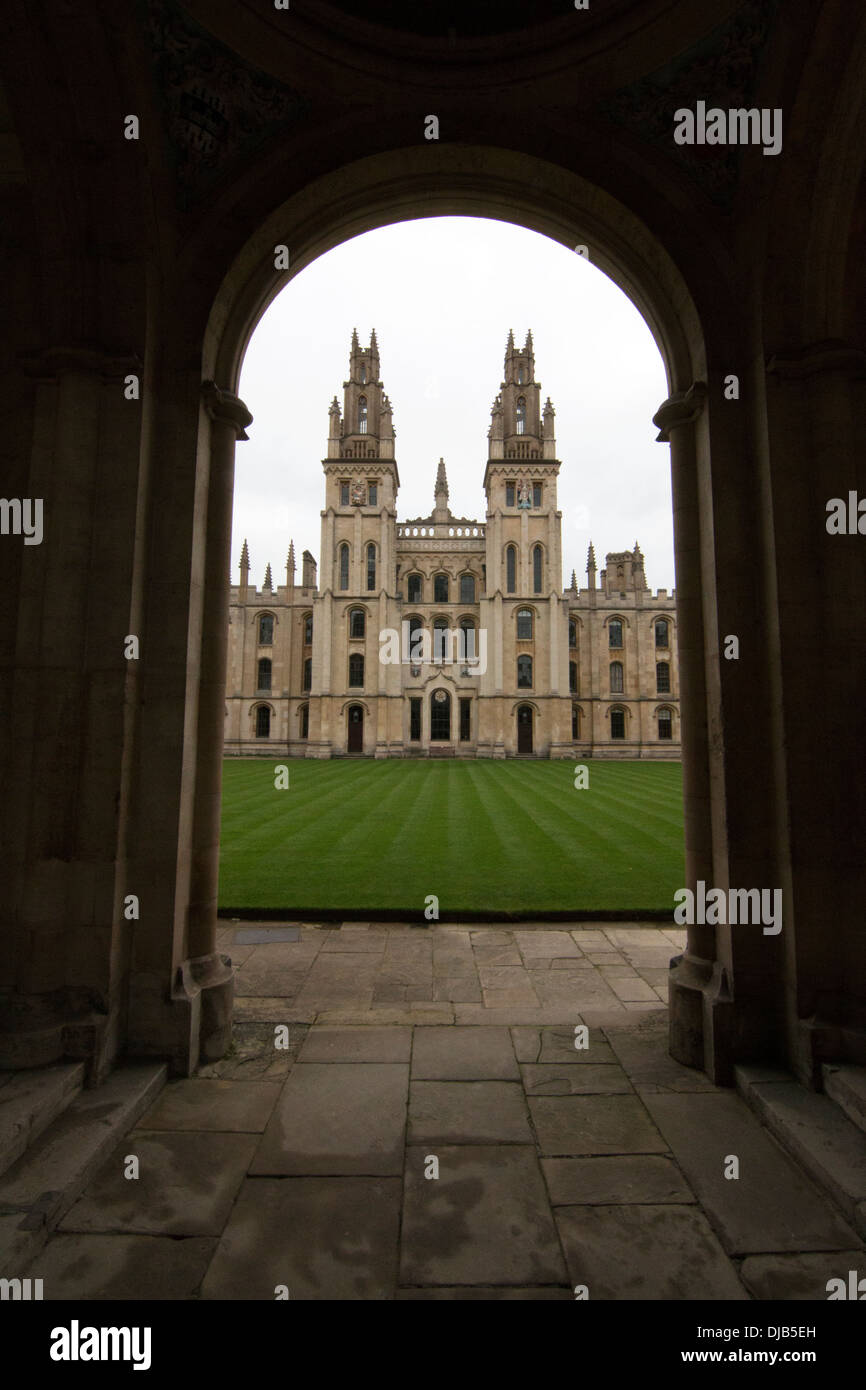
676,420
211,971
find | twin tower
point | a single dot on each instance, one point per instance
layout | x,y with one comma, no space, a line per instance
443,635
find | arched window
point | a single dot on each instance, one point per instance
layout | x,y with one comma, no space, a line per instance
362,414
520,375
305,721
356,670
614,632
572,632
413,588
363,373
357,623
524,624
344,566
617,723
537,566
440,716
467,588
661,632
371,566
263,722
308,674
524,672
572,677
521,415
665,724
416,643
616,677
440,628
663,677
266,630
263,679
467,628
440,588
511,569
308,629
575,722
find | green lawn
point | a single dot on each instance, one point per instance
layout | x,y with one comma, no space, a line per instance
486,837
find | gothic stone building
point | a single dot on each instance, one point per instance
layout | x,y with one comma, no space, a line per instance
445,636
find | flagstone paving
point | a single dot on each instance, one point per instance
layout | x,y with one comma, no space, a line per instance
451,1112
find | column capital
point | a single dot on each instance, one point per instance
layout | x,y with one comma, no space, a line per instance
679,409
224,406
831,355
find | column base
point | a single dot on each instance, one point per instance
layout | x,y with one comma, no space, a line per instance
701,1017
191,1024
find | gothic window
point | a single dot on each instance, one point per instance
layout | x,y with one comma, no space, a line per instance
362,414
524,672
344,494
308,674
356,670
520,375
266,630
467,588
524,624
536,494
416,645
371,566
511,569
308,629
614,633
521,415
363,373
575,722
372,494
572,632
665,724
572,677
440,716
663,677
509,494
415,720
537,558
440,627
263,722
413,588
616,676
465,721
440,588
344,566
467,627
357,623
661,632
617,723
305,721
263,680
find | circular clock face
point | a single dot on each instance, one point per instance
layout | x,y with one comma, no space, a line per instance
440,696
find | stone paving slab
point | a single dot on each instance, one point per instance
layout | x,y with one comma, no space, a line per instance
467,1112
464,1054
615,1180
253,1053
485,1220
336,1118
546,943
325,1043
86,1267
261,936
800,1276
772,1206
237,1107
545,1045
329,1238
552,1079
271,1009
433,1013
577,1125
563,1014
186,1185
646,1252
488,1295
285,983
645,1058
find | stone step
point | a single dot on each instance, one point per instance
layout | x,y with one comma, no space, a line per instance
30,1101
815,1132
42,1185
846,1085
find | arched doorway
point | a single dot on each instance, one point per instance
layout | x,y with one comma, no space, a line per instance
355,723
524,729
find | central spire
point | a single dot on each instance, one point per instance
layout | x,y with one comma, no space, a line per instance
441,511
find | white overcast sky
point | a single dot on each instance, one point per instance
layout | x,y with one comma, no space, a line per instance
442,294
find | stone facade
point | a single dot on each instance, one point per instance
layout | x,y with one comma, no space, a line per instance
445,636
